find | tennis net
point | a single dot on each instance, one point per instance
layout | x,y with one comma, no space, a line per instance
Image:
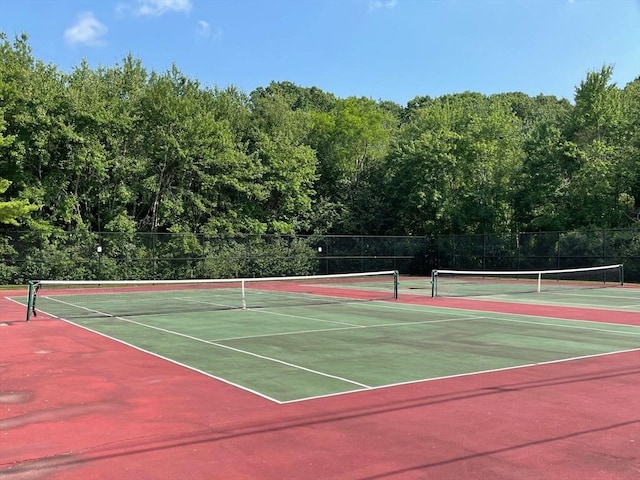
86,299
477,283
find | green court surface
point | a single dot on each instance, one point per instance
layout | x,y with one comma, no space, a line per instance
291,353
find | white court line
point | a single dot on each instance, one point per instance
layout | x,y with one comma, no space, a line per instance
374,305
570,294
570,326
578,327
157,355
585,305
215,343
186,299
364,387
551,302
490,316
468,374
168,359
496,315
191,337
189,300
355,327
15,301
349,326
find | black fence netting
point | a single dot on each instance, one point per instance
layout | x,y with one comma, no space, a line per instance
114,255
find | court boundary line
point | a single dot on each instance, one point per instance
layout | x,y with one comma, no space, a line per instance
512,298
365,387
467,374
425,322
355,327
427,306
228,347
577,327
501,314
170,360
335,394
598,322
264,310
500,297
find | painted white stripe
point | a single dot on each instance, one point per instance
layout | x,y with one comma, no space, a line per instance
528,315
227,347
571,326
356,327
425,309
468,374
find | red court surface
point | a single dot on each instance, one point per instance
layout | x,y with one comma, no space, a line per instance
76,405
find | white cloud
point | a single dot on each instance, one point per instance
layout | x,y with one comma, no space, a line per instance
160,7
379,4
87,30
204,29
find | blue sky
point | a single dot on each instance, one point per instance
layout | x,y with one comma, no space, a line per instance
383,49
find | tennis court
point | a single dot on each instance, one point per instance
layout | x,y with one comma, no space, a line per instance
623,299
291,353
322,350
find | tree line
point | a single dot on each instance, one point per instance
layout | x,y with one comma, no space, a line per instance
124,149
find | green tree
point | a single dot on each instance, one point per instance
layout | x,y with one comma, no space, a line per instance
600,190
629,168
36,161
13,210
104,107
454,164
296,97
597,112
194,175
351,142
541,193
289,165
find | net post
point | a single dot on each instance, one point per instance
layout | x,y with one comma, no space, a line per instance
31,293
434,283
622,275
396,276
539,289
244,298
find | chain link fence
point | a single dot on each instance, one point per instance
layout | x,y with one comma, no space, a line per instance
106,255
